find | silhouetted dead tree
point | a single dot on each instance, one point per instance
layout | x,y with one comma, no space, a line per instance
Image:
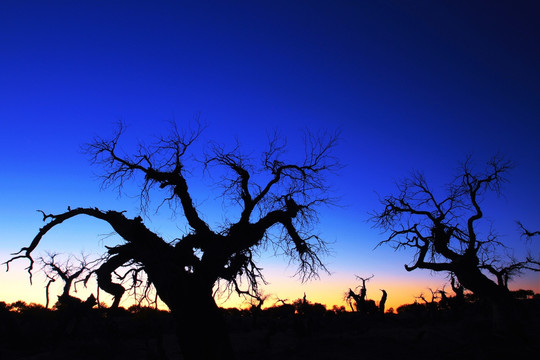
430,306
362,305
68,272
382,303
444,302
270,195
458,290
363,289
284,311
433,301
257,302
456,303
50,280
443,231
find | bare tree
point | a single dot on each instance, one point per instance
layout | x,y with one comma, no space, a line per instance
362,305
68,272
442,231
434,297
277,202
382,303
458,289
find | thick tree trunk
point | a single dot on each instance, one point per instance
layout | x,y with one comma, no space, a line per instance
473,279
202,331
503,306
201,327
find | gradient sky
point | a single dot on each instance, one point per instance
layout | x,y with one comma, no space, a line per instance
412,85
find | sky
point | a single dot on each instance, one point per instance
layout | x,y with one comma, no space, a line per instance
410,85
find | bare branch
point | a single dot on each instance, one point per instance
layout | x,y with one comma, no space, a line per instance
160,164
528,234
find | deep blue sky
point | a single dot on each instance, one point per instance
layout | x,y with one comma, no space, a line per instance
410,84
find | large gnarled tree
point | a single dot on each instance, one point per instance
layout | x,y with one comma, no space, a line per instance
281,208
443,231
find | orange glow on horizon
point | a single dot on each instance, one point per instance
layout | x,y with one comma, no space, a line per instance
328,291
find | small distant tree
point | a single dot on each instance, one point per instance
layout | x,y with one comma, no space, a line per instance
304,307
442,230
361,304
277,202
382,303
458,289
68,272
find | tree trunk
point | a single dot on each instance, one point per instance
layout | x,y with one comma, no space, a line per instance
202,330
201,327
502,305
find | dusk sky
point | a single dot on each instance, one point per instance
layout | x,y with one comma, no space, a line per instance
410,85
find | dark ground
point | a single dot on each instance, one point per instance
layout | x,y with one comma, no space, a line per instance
30,332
